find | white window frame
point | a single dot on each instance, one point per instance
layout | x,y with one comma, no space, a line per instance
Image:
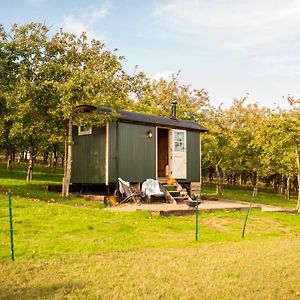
181,144
176,156
84,130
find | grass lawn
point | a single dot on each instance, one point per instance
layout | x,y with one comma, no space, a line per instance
16,183
238,193
80,252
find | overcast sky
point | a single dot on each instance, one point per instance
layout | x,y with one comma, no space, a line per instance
229,47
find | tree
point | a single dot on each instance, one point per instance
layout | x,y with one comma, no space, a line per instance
216,144
279,139
156,96
244,121
229,147
8,79
83,72
50,76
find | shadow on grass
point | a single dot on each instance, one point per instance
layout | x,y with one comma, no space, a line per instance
40,173
37,292
38,192
31,191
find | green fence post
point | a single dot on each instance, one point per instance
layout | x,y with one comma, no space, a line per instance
12,253
196,218
246,219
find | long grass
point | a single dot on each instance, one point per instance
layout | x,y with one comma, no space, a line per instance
247,270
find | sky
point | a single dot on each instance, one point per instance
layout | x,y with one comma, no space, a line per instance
231,48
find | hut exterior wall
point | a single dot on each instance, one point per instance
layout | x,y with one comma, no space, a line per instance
193,156
88,164
113,152
136,153
132,155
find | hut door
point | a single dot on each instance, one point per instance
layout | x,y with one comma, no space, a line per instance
178,154
162,152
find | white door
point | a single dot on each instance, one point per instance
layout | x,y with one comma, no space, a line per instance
178,154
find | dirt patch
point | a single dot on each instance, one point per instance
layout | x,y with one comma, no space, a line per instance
3,190
218,224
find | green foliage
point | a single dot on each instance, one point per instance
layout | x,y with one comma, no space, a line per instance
278,138
155,97
44,77
231,137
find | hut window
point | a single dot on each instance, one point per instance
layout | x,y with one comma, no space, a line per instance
82,130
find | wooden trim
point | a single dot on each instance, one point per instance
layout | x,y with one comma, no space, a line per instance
200,165
170,175
86,131
107,154
156,158
175,153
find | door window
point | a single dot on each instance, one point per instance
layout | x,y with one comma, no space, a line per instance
179,143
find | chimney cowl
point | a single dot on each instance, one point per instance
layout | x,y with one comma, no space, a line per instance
174,116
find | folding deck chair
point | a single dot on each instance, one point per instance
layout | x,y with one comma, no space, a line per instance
128,192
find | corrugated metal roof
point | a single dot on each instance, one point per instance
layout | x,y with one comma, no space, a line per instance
138,118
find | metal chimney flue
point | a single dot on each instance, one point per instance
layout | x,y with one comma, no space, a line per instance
174,103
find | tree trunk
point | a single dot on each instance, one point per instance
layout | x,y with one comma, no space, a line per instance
64,162
54,158
255,184
29,170
219,179
45,157
287,189
210,175
281,185
234,179
298,176
68,161
13,155
228,178
8,165
25,156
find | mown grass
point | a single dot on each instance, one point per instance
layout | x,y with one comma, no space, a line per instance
15,181
36,189
47,229
87,253
78,252
238,193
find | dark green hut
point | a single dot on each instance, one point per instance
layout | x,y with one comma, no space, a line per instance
136,147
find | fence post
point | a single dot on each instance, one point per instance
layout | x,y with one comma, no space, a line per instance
246,218
197,218
12,253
